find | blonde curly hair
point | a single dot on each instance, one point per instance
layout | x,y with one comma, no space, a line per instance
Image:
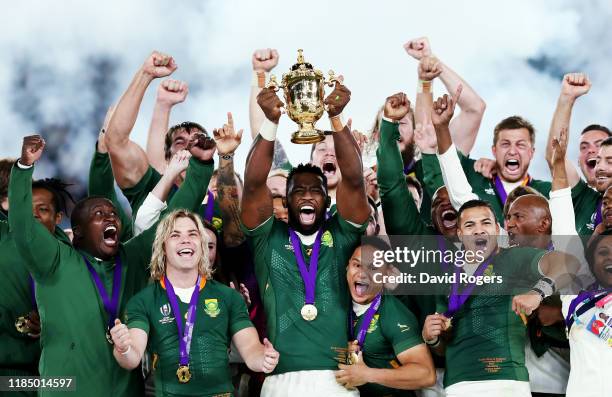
162,233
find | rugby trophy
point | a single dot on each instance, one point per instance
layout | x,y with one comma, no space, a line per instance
304,89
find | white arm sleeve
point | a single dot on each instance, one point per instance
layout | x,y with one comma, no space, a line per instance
148,213
459,189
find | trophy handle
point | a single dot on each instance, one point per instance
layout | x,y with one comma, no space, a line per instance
273,84
332,79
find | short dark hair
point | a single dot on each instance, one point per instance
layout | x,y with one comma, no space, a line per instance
474,204
58,188
305,169
607,141
6,165
78,212
513,123
170,134
596,127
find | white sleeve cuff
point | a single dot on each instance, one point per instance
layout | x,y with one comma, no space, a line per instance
390,120
459,189
562,212
23,166
148,213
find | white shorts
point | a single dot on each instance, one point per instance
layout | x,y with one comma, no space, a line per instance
436,390
489,388
315,383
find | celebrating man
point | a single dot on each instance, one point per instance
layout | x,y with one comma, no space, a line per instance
300,266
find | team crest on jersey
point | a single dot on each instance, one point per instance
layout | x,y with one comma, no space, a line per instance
373,324
489,271
217,223
165,310
327,239
211,307
490,191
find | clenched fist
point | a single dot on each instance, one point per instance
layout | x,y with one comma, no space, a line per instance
264,59
201,146
575,85
171,92
397,106
159,65
337,100
270,104
434,325
429,68
32,149
443,109
121,337
418,48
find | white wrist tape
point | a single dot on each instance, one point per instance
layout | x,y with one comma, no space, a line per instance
268,130
337,119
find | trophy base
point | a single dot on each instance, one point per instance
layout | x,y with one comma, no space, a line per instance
307,136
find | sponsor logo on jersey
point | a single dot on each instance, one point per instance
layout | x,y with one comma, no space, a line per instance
211,307
403,327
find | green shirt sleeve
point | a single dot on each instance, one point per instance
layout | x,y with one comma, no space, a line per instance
102,183
400,326
40,250
137,314
239,314
399,211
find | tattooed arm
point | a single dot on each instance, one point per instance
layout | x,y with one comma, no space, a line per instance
229,201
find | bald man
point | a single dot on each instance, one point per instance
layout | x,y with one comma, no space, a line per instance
529,222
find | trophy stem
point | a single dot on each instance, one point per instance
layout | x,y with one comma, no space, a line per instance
307,134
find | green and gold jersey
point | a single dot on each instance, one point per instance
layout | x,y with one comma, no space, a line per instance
487,340
393,329
221,312
304,345
483,187
586,204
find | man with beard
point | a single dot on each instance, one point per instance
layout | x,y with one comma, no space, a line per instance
392,359
305,305
482,340
81,289
20,325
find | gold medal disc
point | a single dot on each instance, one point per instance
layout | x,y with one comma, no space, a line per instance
183,374
20,325
309,312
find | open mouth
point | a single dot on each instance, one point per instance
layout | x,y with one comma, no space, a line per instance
110,235
591,162
329,169
512,165
608,268
449,219
361,288
481,243
307,214
185,252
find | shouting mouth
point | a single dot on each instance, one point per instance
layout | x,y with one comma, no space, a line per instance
307,214
110,235
513,165
329,169
361,288
591,163
449,219
481,243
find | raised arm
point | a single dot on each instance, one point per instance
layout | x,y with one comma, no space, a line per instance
170,92
263,61
351,199
257,199
228,140
129,161
39,248
573,86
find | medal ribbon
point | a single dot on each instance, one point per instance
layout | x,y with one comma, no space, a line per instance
186,333
33,293
598,216
589,298
309,275
111,306
210,207
367,319
457,299
501,191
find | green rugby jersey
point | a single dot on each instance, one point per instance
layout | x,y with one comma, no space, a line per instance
586,202
73,320
483,187
393,330
304,345
221,312
487,338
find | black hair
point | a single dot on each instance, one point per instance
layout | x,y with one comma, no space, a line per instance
589,253
375,241
78,212
186,125
607,141
596,127
474,204
58,188
305,169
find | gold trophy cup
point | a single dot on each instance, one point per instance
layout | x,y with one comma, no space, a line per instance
304,93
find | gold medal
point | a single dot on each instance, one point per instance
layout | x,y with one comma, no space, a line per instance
109,338
353,358
309,312
183,373
21,326
449,323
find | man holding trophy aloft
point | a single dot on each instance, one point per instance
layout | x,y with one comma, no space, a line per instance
300,266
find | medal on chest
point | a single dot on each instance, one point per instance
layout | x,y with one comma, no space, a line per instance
309,274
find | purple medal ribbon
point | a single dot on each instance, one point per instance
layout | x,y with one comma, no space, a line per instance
210,207
110,305
501,191
583,297
309,275
33,292
598,216
409,167
185,334
458,299
367,319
